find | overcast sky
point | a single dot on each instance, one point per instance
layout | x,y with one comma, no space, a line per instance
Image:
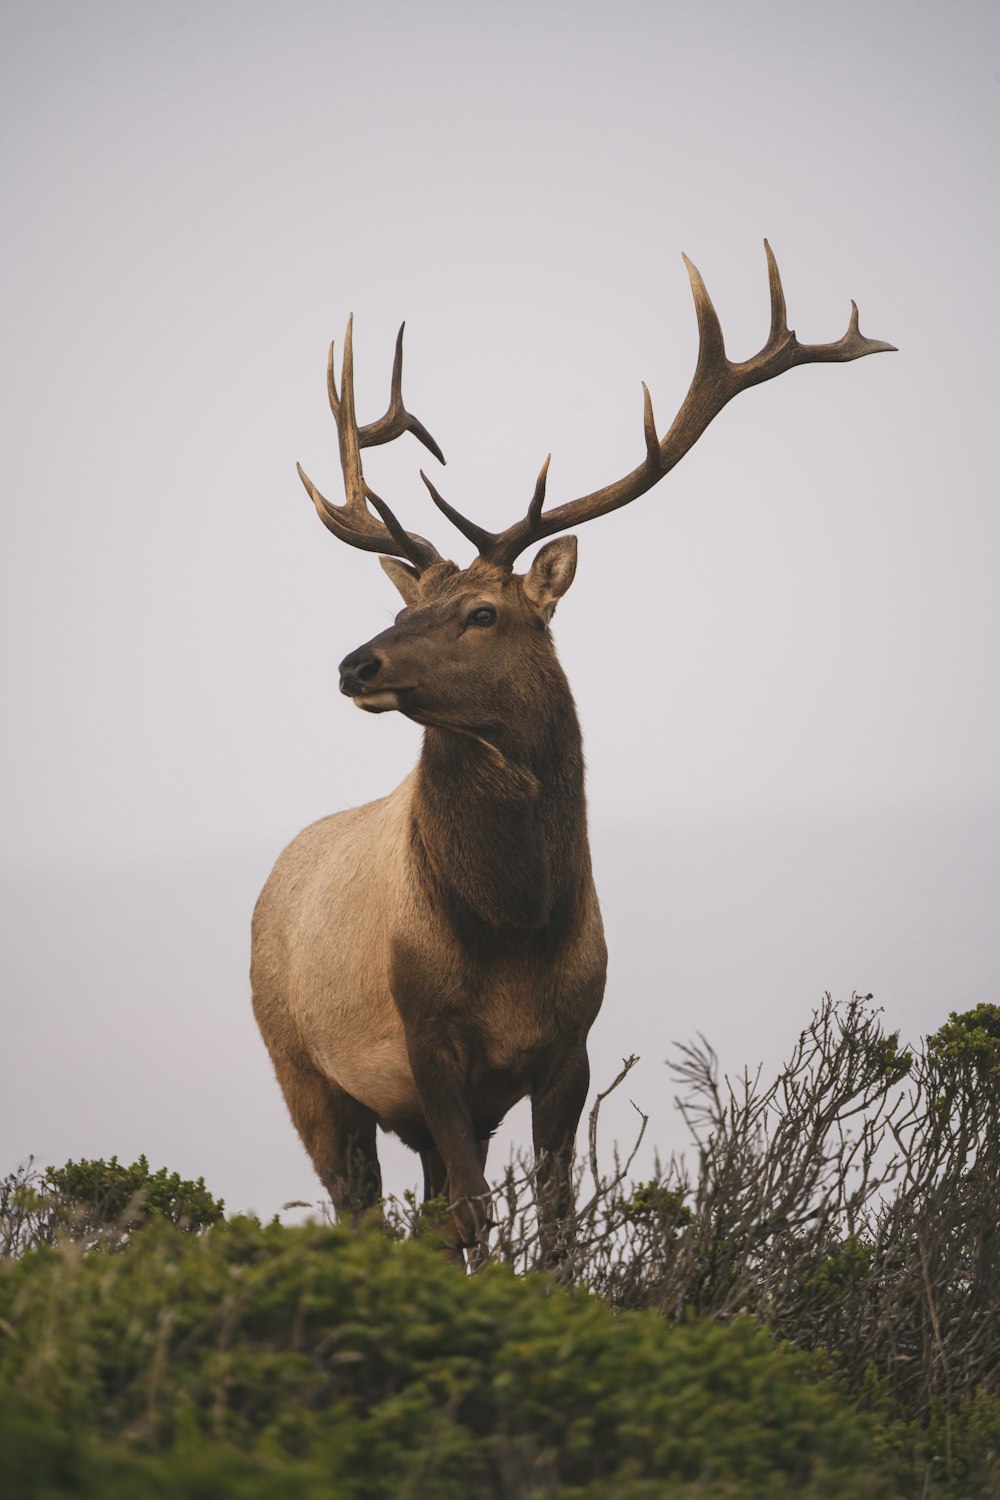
785,657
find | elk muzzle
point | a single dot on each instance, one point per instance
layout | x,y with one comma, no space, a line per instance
358,674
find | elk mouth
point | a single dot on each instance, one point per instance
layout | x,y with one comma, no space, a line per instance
381,702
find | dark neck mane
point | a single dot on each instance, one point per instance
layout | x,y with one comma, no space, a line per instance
499,824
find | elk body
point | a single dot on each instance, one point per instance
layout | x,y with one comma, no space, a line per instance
425,961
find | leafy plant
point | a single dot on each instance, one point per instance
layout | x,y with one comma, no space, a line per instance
360,1366
98,1202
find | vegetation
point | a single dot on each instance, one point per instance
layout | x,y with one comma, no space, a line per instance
100,1203
814,1312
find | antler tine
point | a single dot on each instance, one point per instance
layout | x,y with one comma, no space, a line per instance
409,544
331,384
332,516
649,429
711,344
486,541
783,350
717,379
477,535
397,419
538,498
353,522
779,316
418,549
347,429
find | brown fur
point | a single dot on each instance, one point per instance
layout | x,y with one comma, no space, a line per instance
431,958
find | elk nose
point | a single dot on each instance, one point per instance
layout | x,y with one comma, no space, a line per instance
358,670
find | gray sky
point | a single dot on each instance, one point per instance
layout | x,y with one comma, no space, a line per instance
785,657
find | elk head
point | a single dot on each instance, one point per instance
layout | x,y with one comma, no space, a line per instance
468,640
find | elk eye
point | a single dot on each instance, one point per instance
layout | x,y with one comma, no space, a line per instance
484,615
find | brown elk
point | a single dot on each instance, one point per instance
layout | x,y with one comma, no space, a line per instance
425,961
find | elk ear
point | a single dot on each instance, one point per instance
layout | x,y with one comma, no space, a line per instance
406,579
551,574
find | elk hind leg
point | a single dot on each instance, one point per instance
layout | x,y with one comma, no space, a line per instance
337,1132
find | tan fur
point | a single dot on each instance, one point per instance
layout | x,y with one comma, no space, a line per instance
321,937
338,898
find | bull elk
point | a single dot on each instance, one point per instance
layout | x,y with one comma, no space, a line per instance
425,961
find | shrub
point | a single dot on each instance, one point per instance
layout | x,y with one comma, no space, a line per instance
97,1202
851,1204
318,1361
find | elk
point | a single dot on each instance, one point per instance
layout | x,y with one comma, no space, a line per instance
425,961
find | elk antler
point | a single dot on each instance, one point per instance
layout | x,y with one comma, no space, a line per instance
716,381
353,522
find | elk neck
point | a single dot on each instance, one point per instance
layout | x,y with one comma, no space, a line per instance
499,817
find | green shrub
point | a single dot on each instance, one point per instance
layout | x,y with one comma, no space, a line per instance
97,1202
258,1361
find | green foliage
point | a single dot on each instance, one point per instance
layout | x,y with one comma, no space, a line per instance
253,1361
967,1446
664,1205
103,1193
838,1271
969,1041
98,1202
955,1455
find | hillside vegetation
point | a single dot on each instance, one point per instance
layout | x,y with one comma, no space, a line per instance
814,1312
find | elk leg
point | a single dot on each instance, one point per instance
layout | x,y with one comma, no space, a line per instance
556,1106
436,1186
337,1132
440,1075
480,1252
435,1173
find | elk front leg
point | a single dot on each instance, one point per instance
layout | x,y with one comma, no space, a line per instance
557,1102
436,1186
440,1071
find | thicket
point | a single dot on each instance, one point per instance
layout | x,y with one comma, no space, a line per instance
852,1204
810,1308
